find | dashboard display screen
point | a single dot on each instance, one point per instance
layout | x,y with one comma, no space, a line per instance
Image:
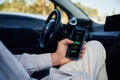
112,23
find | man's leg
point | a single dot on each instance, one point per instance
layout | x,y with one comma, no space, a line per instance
93,62
10,68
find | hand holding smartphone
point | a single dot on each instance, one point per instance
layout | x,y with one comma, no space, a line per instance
78,38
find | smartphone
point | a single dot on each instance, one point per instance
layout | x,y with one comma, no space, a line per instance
78,38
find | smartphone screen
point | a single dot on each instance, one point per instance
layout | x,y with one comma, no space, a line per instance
78,37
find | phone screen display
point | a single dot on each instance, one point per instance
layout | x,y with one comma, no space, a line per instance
78,37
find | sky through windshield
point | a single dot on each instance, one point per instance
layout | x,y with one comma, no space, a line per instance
104,7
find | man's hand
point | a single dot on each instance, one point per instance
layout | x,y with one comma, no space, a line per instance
58,58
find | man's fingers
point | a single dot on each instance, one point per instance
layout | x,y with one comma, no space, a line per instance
83,49
82,53
85,42
66,41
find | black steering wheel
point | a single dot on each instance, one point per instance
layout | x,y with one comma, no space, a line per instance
51,28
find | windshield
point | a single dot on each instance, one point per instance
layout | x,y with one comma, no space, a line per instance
97,10
36,7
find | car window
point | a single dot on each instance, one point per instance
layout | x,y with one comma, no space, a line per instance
41,7
97,10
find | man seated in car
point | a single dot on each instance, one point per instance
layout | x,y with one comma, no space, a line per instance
90,66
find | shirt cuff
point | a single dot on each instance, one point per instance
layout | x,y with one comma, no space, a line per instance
44,61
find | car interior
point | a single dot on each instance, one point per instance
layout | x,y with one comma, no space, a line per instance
19,36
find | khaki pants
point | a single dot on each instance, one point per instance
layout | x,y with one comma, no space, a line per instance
93,62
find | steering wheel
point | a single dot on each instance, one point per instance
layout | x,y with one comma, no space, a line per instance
51,28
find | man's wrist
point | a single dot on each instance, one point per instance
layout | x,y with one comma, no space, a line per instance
54,59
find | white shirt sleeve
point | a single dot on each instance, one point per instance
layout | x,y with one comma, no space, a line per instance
35,62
